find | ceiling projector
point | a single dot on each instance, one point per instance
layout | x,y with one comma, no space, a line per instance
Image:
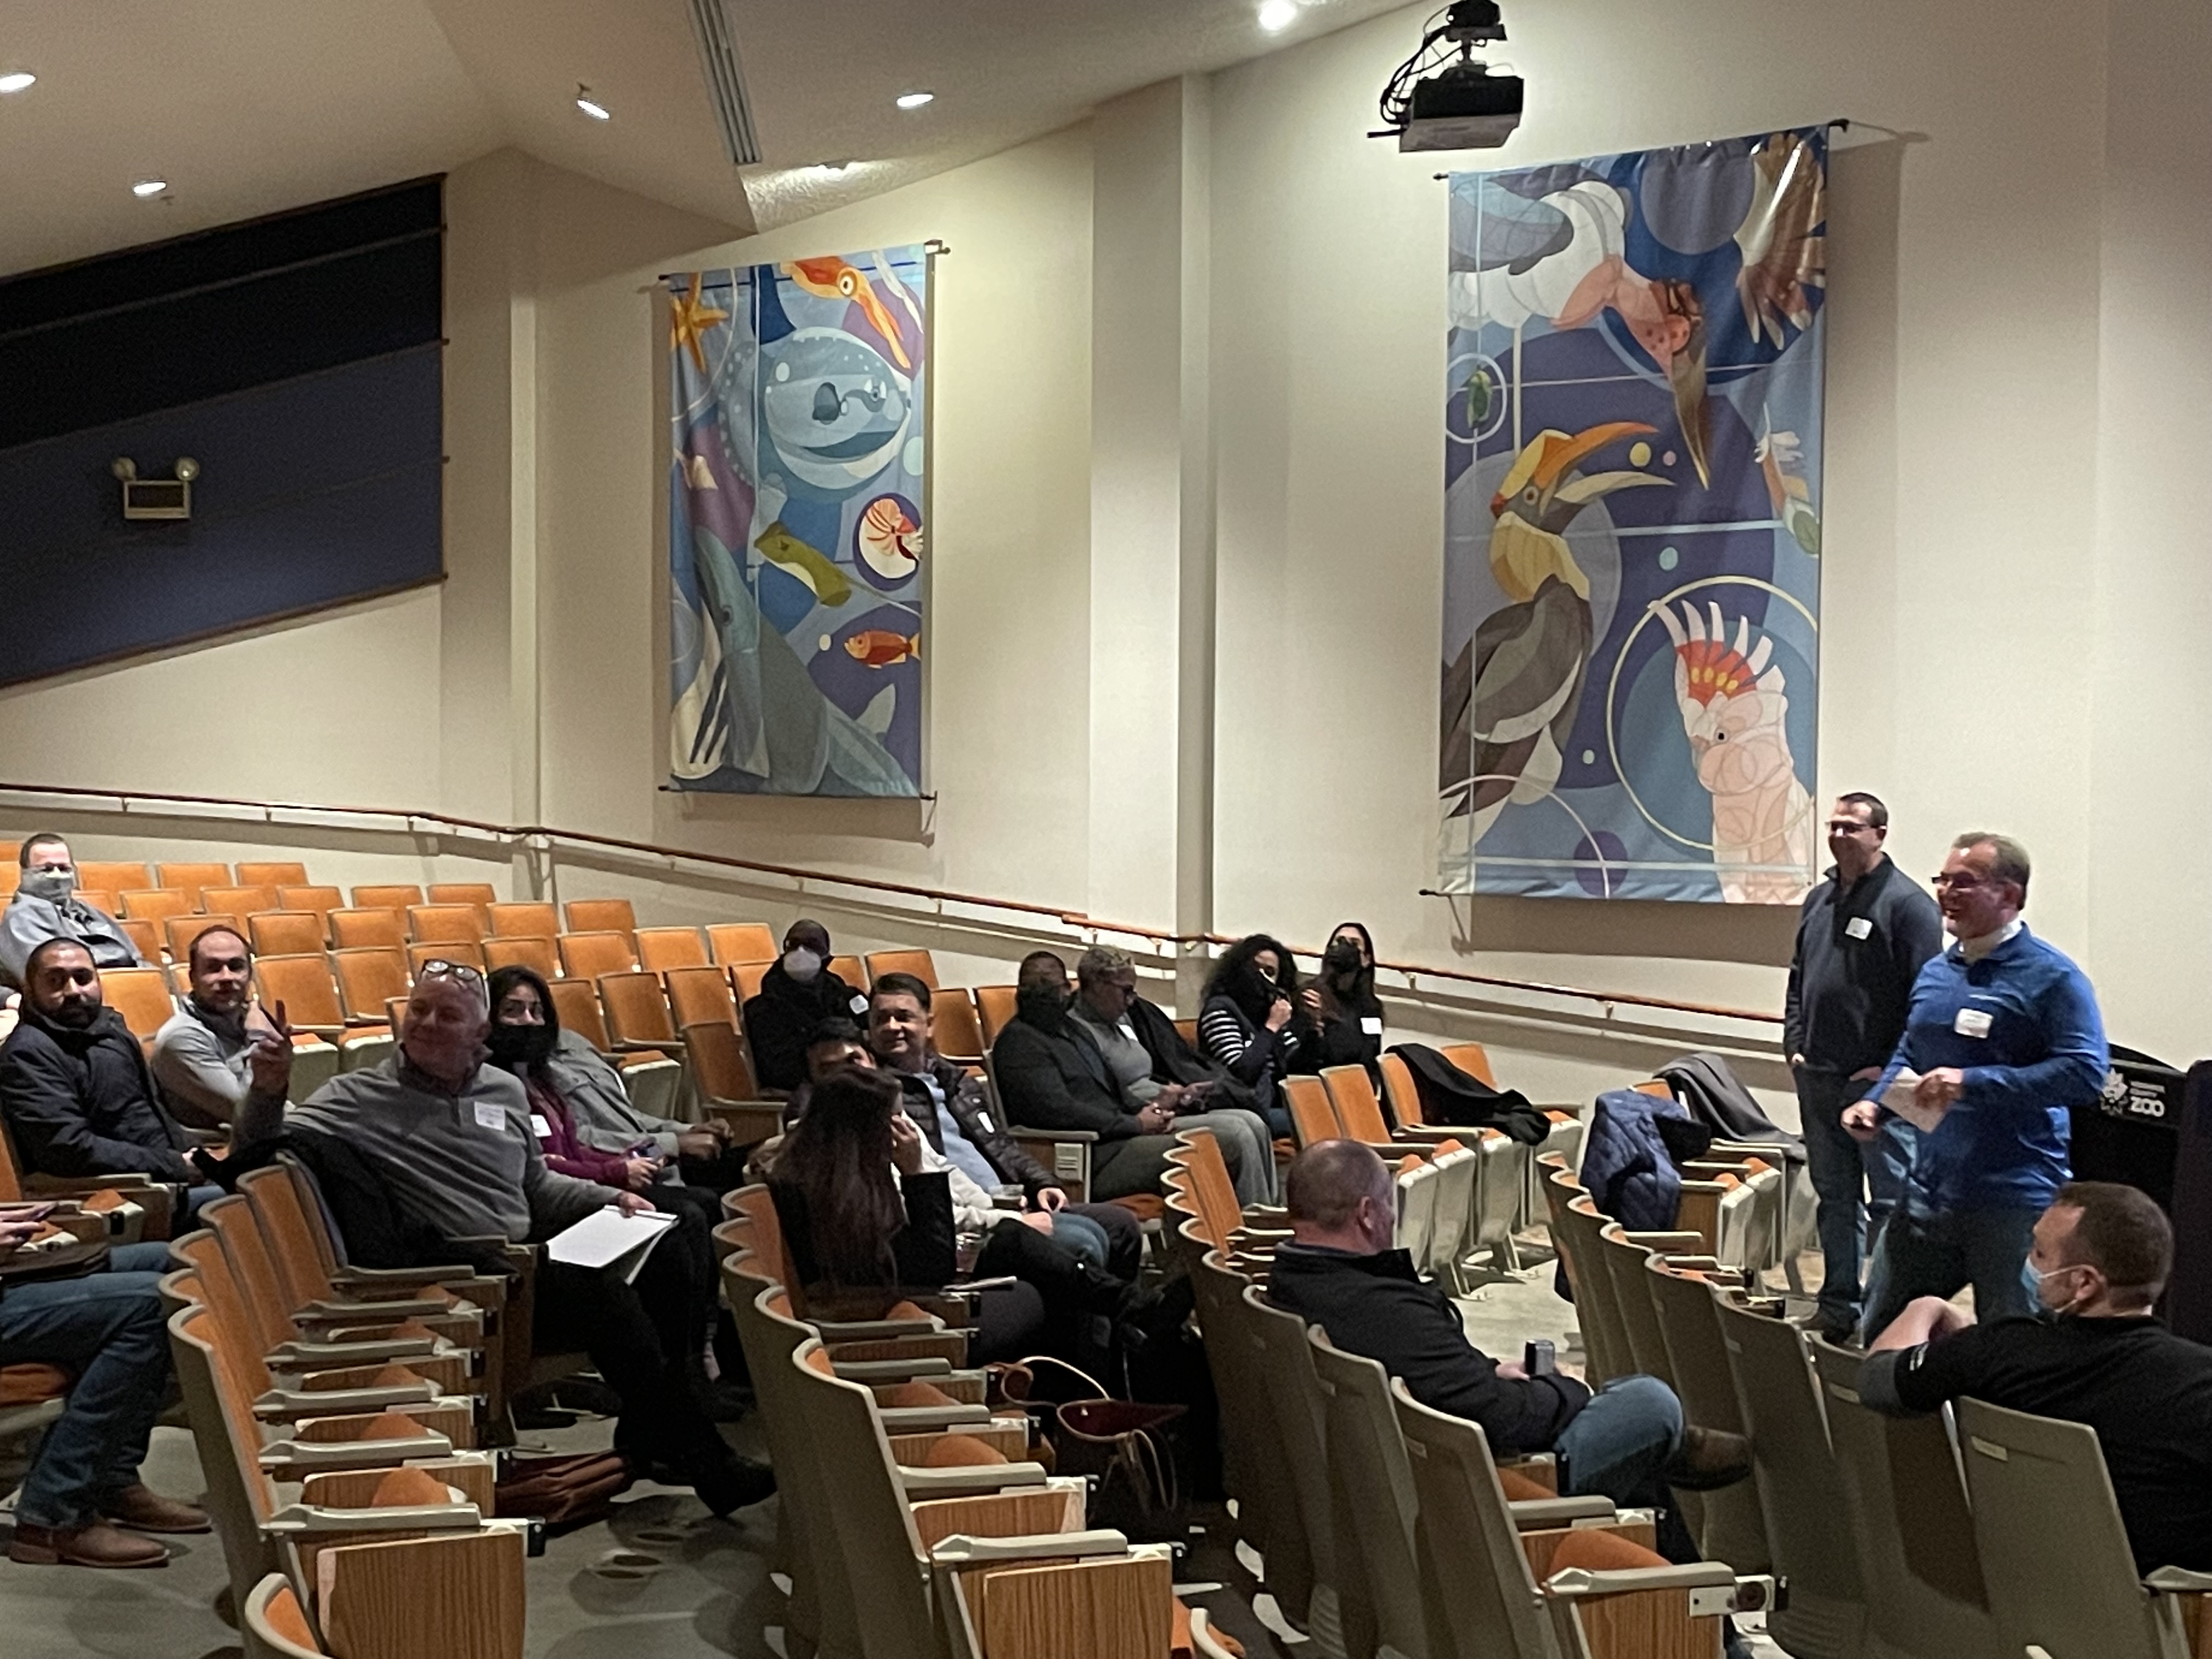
1466,103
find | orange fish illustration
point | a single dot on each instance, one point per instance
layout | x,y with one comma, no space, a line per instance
878,648
834,279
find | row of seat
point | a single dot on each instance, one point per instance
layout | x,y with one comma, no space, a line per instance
914,1521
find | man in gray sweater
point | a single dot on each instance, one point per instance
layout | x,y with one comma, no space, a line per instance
219,1047
452,1139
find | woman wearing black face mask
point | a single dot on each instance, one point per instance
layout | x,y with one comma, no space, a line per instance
1339,1017
1245,1024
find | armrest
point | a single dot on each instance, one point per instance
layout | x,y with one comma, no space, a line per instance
299,1455
983,1477
906,1419
301,1355
2180,1581
297,1518
1025,1132
888,1370
752,1121
52,1186
961,1550
875,1330
1571,1581
1666,1242
1530,1513
323,1032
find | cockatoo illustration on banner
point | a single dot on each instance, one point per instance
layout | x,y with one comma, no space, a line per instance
1734,708
1511,695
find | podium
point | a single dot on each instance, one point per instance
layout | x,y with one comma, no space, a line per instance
2152,1129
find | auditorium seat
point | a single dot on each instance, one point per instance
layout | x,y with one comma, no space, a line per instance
995,1007
1473,1059
157,904
286,933
697,995
588,956
462,952
954,1028
525,920
603,915
304,984
746,980
576,999
191,879
240,900
636,1008
535,954
272,875
358,929
320,900
481,894
141,995
395,895
733,942
144,938
101,898
659,949
367,975
431,924
920,964
179,931
110,876
850,969
722,1074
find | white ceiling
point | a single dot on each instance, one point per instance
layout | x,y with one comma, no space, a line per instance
251,107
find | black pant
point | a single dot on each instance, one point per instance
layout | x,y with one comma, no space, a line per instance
1119,1168
718,1174
643,1337
1125,1237
1070,1295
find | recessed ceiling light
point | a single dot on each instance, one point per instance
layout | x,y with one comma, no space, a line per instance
18,81
591,106
146,187
1276,15
914,100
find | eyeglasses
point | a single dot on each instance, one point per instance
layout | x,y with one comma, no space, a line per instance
1848,827
439,968
1963,882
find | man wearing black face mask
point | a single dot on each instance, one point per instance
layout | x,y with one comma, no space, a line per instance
46,906
796,995
1052,1075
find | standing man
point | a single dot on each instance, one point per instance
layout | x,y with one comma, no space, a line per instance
2003,1037
46,906
1862,937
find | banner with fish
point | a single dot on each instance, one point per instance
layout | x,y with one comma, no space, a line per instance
795,524
1633,496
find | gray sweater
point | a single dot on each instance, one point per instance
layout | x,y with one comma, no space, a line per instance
29,922
599,1105
468,1166
200,1059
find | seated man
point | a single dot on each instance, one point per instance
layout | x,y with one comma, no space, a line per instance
451,1140
74,1085
2098,1355
219,1047
46,906
82,1488
955,1115
1107,1007
797,993
1627,1442
1051,1076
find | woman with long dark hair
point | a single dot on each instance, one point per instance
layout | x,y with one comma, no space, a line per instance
1244,1025
1339,1017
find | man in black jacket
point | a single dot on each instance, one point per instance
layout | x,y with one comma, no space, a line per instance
1051,1076
1627,1442
797,993
1862,938
74,1088
957,1117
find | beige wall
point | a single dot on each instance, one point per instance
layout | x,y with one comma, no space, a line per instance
2012,609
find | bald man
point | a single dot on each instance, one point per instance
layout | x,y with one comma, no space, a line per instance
1340,1271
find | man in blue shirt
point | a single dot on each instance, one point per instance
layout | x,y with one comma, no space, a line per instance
2003,1037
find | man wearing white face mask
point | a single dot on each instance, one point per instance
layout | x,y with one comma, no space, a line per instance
2096,1355
46,906
796,995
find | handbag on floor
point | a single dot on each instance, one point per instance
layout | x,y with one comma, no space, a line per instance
1126,1448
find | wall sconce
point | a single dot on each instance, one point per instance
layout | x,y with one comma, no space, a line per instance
156,498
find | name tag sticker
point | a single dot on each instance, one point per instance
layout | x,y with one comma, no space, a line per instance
1371,1025
983,1123
540,1128
491,1115
859,1004
1971,1023
1857,927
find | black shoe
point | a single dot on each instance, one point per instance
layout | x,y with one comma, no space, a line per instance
1709,1458
731,1482
725,1401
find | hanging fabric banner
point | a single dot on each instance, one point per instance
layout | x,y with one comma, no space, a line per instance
1632,525
795,526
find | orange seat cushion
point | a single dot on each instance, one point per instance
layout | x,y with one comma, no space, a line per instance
30,1384
393,1426
1444,1146
1519,1488
286,1620
905,1310
1410,1162
1145,1207
101,1202
960,1451
408,1488
820,1361
1595,1550
917,1393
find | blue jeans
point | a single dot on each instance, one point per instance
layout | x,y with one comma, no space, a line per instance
107,1328
1080,1236
1841,1169
1922,1255
1617,1446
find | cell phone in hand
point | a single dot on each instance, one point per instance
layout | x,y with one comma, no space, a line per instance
1539,1357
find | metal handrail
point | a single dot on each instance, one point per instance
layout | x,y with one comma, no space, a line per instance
1076,920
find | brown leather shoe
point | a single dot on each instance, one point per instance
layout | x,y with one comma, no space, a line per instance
96,1545
1709,1458
144,1510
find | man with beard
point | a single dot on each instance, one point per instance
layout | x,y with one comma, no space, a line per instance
1051,1075
797,993
219,1047
46,906
74,1085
